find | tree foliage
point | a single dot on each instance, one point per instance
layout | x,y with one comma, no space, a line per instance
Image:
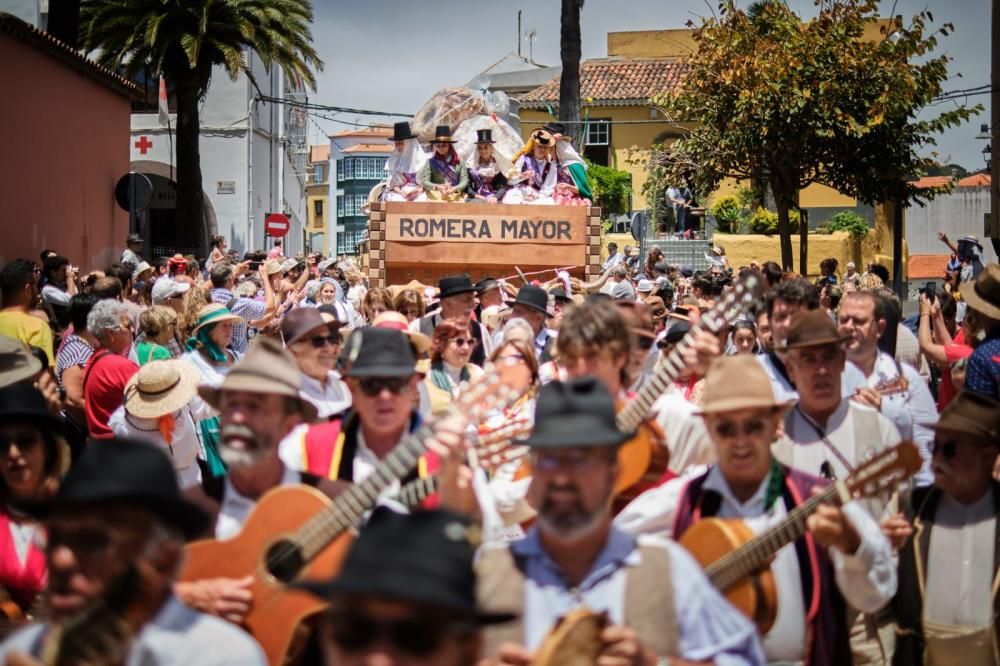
185,40
611,188
788,103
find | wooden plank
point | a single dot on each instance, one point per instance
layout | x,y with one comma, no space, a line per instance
485,254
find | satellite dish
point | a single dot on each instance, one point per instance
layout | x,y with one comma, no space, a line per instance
640,225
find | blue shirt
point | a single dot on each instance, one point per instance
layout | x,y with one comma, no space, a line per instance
709,628
983,368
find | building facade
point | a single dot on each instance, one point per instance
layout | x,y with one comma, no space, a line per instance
57,183
357,164
318,200
253,162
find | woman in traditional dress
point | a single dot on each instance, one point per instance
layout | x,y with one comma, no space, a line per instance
33,457
208,350
535,172
487,182
572,186
403,167
445,176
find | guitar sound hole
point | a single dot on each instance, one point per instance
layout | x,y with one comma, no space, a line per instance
284,560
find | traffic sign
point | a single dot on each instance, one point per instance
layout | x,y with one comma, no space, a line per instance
276,225
134,191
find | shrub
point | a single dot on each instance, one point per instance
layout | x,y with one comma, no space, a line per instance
611,188
849,221
727,212
764,221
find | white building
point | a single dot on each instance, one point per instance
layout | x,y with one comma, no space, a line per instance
253,156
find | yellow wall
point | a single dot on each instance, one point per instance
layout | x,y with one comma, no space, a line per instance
651,43
318,225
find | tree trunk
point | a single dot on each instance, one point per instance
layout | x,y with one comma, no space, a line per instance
569,81
803,241
781,200
189,230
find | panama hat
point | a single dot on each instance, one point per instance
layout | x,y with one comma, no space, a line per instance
161,388
983,295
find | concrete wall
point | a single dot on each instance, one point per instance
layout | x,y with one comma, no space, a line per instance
957,214
64,149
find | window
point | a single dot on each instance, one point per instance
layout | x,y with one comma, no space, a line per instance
318,175
318,209
599,132
340,205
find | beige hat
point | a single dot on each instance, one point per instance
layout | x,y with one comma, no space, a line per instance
161,388
272,266
397,321
737,382
983,295
267,368
16,362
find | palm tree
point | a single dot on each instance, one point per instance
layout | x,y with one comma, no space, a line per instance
569,48
184,40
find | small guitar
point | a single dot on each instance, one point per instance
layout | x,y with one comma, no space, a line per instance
737,562
643,459
297,532
574,641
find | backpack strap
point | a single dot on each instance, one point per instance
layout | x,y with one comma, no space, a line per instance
500,589
93,362
649,601
308,479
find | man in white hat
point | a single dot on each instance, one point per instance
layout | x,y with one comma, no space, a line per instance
854,560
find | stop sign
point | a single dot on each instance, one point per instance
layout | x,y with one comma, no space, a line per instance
276,224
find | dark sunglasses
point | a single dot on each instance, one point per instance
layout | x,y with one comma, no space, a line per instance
946,450
372,386
320,341
645,344
419,636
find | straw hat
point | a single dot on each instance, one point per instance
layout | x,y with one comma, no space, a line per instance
161,388
737,382
397,322
983,295
214,313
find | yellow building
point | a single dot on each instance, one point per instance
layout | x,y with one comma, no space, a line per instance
318,199
621,125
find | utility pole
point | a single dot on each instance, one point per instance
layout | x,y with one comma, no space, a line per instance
994,133
518,33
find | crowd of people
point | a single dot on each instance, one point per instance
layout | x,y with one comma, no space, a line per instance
546,171
152,404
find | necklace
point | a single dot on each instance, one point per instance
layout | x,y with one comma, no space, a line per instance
138,427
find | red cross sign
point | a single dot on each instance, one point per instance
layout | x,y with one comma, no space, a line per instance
143,144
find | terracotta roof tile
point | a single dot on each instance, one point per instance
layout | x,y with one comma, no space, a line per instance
926,266
614,82
43,41
975,180
319,153
369,148
932,181
373,132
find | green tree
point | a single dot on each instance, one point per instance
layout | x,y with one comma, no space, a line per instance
788,103
185,40
611,188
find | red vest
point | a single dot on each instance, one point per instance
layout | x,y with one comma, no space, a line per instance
22,582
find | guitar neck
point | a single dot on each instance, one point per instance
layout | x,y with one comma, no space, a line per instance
416,491
359,498
755,554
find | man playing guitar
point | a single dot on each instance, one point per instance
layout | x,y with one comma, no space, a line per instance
659,604
853,560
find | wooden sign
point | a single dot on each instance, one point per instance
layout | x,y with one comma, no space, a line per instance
483,223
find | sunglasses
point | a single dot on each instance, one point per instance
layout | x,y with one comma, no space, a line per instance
727,429
320,341
645,344
464,342
372,386
417,636
946,450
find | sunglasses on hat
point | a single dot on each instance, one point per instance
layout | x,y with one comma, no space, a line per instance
418,636
372,386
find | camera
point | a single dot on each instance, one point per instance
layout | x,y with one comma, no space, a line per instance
930,290
255,265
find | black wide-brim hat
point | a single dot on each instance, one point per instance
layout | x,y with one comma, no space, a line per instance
443,134
379,352
554,128
533,297
22,402
127,471
402,132
434,567
576,413
453,285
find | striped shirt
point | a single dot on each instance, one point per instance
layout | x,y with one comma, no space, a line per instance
247,308
75,351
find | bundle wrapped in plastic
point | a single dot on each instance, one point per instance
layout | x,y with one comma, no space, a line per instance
452,106
506,139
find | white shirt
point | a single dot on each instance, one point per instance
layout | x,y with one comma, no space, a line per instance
176,636
809,451
235,508
330,398
867,579
961,551
913,412
687,439
850,380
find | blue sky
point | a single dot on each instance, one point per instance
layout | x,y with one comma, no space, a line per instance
392,56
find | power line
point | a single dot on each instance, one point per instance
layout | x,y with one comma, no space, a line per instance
334,109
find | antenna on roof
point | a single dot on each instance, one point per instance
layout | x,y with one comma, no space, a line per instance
518,33
531,36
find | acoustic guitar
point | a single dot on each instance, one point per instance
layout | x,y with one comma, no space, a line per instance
13,617
643,459
296,532
738,563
